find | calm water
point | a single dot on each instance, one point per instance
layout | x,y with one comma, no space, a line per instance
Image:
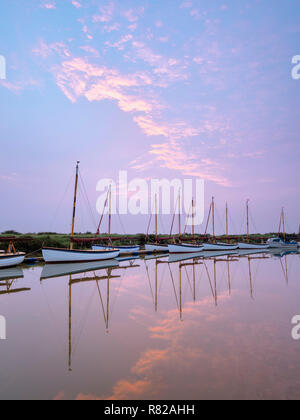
153,330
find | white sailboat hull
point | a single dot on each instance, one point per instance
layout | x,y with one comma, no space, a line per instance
219,247
53,255
11,260
244,245
277,243
185,249
122,249
156,248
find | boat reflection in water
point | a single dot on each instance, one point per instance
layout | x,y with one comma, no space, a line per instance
90,273
8,278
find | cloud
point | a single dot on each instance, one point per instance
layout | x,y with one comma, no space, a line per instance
79,78
106,13
44,50
133,15
120,45
48,5
123,390
76,4
20,85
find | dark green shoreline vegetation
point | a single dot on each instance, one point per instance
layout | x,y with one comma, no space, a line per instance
32,242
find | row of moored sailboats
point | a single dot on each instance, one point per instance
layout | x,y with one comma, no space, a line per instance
103,253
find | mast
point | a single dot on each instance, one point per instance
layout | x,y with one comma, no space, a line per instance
107,304
156,286
283,223
156,220
75,202
248,228
213,216
179,214
193,216
227,224
109,217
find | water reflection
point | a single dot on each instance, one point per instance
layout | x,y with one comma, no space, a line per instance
170,327
8,280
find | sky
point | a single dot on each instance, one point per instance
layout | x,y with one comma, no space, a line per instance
199,89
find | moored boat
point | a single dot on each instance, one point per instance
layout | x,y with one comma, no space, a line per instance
64,255
280,243
123,249
184,248
55,255
11,259
219,246
245,245
156,248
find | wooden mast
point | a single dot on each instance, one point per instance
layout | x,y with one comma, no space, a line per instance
156,220
179,215
109,216
248,227
213,217
74,205
283,223
227,224
193,216
156,285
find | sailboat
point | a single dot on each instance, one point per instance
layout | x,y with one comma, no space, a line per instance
248,245
156,247
184,248
217,246
11,258
63,255
123,249
282,243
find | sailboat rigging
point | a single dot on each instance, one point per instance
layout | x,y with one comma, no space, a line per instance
62,255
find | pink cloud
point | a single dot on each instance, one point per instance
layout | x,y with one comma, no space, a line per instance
76,4
48,5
